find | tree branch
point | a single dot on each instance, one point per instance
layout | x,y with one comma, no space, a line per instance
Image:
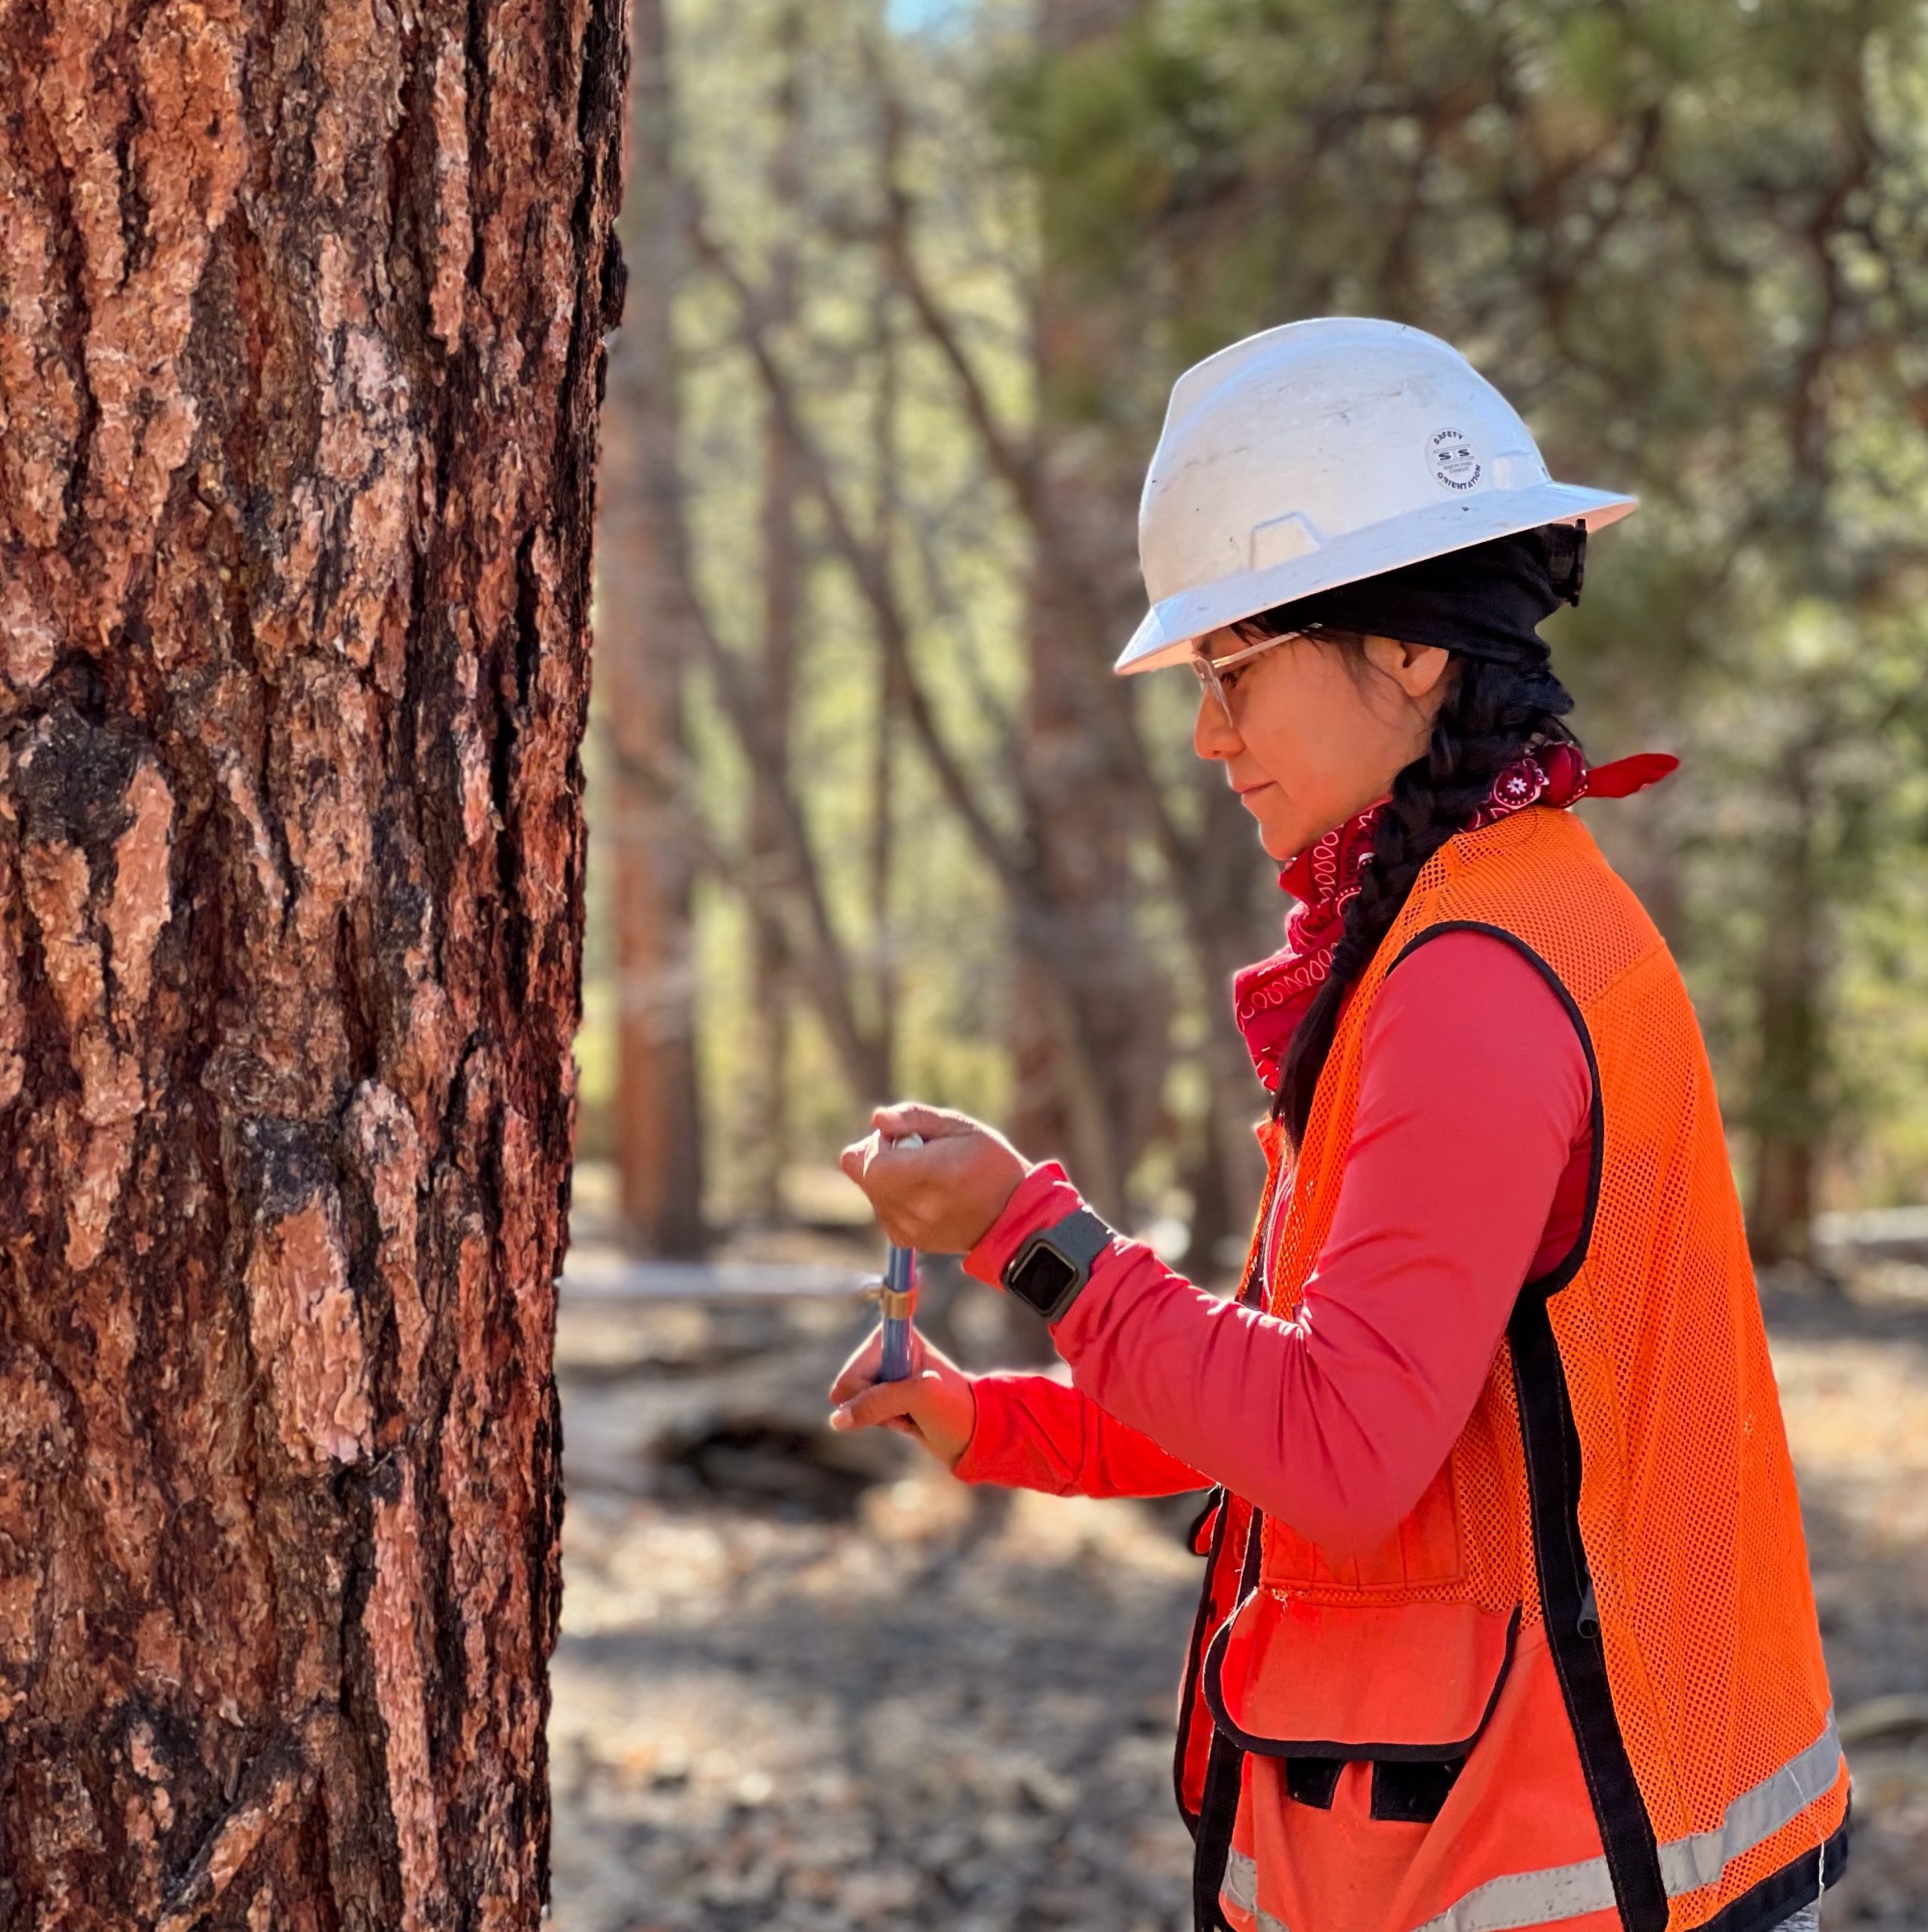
872,573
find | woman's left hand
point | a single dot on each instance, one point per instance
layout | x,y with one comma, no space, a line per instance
935,1404
942,1197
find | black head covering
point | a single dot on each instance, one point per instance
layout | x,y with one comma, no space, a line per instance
1486,601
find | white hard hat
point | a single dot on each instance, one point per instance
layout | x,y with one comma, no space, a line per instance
1317,454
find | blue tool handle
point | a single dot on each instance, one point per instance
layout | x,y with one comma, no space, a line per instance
899,1301
899,1278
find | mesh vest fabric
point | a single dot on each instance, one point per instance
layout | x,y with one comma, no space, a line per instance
1702,1683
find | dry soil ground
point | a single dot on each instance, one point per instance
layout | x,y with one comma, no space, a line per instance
807,1684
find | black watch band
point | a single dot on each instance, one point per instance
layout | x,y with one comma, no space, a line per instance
1049,1269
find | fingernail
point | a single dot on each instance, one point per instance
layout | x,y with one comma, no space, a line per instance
840,1417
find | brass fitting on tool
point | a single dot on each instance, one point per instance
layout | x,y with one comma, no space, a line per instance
895,1304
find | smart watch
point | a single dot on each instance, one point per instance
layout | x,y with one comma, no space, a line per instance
1049,1269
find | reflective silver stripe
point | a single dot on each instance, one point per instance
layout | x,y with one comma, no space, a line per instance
1687,1864
1522,1898
1530,1898
1241,1881
1241,1889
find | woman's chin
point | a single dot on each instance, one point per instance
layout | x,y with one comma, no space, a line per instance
1281,834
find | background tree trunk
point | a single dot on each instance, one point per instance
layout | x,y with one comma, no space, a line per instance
778,657
648,646
300,318
1789,1106
1090,1018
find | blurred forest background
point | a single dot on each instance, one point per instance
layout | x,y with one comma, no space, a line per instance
909,283
871,816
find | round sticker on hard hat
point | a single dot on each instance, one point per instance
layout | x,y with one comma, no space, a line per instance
1453,460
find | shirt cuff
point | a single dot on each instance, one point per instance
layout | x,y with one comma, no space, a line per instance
986,1457
1045,1196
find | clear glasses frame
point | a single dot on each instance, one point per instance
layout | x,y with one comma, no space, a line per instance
1208,668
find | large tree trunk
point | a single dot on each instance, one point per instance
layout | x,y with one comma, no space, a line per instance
300,314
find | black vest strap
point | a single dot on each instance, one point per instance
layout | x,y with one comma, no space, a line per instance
1218,1808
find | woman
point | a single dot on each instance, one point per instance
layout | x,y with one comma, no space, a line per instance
1506,1621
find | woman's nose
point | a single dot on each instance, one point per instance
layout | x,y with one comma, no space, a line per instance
1213,735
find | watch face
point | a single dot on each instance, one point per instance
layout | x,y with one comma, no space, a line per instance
1044,1276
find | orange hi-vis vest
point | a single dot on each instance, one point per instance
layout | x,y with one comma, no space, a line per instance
1595,1630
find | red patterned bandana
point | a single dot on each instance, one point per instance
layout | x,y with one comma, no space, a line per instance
1270,997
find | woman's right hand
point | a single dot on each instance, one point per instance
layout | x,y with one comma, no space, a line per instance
933,1404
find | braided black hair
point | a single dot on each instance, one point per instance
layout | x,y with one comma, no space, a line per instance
1493,712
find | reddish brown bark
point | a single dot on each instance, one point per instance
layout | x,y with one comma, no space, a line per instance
300,322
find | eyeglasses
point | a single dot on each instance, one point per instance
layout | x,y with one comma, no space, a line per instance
1208,669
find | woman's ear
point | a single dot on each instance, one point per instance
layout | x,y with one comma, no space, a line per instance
1416,669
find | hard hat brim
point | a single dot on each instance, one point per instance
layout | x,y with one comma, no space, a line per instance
1174,624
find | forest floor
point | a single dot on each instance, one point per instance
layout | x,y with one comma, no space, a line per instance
812,1685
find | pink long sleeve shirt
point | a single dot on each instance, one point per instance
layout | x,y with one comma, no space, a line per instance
1465,1177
